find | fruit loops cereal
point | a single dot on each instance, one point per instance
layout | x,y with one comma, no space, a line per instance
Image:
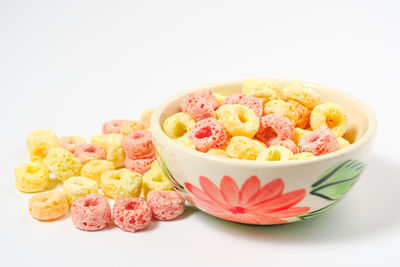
128,127
145,117
110,181
47,206
76,187
115,152
275,153
166,205
91,213
88,152
129,186
139,165
178,125
39,143
207,134
70,142
330,115
112,126
93,169
138,144
62,163
155,179
132,214
31,177
267,113
238,120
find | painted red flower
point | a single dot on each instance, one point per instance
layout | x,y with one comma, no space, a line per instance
250,204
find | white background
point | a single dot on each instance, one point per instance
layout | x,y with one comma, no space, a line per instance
71,65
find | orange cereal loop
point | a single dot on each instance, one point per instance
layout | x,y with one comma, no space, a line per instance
303,113
129,127
48,206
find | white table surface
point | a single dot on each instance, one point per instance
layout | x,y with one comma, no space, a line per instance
70,65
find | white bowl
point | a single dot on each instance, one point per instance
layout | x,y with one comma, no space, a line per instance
266,193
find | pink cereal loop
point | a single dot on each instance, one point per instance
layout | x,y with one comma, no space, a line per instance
166,205
112,126
274,127
289,144
254,103
207,134
140,166
197,106
88,152
319,142
132,214
138,144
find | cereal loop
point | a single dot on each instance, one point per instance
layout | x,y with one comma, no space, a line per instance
99,139
296,91
166,205
275,153
129,186
298,134
31,177
115,152
62,163
207,134
39,143
155,180
70,142
110,180
145,117
129,127
178,125
303,118
254,103
93,169
238,120
281,107
197,106
266,89
274,127
132,214
89,152
91,213
138,145
139,165
185,141
47,206
76,187
289,144
319,142
330,115
112,126
242,147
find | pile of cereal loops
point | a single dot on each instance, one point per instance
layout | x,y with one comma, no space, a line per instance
265,123
120,162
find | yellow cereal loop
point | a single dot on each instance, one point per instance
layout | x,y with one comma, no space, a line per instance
265,89
331,115
185,141
129,127
218,152
220,98
129,186
39,142
238,120
93,169
76,187
241,147
343,143
155,180
31,177
275,153
99,139
296,90
62,163
110,181
303,155
298,134
145,117
178,124
115,152
284,108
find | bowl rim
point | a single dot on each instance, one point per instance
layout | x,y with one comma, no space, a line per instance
158,133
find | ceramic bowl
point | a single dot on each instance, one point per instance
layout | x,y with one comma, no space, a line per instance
266,193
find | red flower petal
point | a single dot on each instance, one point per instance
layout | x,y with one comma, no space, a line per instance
291,212
268,219
267,192
212,191
230,191
282,202
249,188
198,193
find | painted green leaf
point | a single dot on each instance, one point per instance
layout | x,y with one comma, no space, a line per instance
314,213
163,166
337,180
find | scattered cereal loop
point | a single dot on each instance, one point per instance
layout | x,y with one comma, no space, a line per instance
79,186
31,177
48,206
